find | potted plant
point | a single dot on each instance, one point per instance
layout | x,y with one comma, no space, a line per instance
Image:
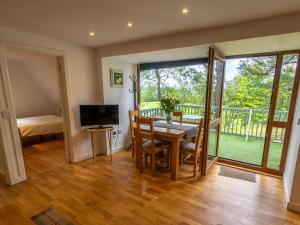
168,105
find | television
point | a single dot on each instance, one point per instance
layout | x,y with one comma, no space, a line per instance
98,115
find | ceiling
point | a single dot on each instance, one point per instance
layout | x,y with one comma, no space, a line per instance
283,42
72,20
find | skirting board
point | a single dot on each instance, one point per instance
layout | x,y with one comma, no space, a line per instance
289,205
2,176
293,207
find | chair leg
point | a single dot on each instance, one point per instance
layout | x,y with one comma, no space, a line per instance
200,163
153,166
195,165
170,158
133,148
180,158
141,162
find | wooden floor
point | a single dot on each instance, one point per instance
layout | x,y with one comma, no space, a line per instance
103,192
43,157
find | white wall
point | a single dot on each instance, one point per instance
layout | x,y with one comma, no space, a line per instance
82,78
120,96
34,93
292,168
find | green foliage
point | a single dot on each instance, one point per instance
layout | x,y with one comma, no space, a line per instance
251,87
168,104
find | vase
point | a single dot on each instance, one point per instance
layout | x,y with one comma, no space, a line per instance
168,118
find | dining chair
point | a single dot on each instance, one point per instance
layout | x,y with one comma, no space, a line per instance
149,146
133,114
178,114
194,149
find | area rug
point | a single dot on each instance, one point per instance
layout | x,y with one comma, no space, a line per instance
237,174
50,217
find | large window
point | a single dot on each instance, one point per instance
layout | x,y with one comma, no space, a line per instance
184,82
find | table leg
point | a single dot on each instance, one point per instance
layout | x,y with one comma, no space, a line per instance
137,153
110,144
175,160
93,144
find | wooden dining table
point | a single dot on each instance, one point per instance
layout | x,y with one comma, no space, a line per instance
174,136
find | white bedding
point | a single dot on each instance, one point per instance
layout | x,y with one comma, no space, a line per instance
40,125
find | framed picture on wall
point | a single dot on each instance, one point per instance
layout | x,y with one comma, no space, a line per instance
116,78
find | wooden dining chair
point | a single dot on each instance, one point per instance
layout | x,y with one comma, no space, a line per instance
178,114
149,146
133,114
194,149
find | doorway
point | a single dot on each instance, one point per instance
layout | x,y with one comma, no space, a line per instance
38,146
258,105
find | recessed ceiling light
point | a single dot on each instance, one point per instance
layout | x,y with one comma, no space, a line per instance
92,34
185,11
129,24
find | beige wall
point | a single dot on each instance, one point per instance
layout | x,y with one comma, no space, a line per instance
35,85
82,78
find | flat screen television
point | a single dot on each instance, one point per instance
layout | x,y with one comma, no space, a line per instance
98,115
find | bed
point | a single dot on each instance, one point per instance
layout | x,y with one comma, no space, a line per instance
40,125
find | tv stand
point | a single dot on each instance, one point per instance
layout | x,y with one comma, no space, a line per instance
100,129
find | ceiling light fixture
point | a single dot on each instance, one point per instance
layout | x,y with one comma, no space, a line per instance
129,24
92,34
185,11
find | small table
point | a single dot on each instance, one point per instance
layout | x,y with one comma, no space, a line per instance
106,130
192,117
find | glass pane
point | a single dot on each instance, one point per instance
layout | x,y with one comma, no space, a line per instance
276,145
247,95
185,83
216,89
215,109
212,145
286,82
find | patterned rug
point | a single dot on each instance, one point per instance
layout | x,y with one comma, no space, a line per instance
50,217
237,174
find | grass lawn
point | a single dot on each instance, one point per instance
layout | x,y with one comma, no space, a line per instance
149,105
236,148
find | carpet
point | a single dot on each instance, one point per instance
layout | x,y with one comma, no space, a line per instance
50,217
237,174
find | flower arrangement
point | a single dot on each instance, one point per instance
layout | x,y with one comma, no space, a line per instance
168,105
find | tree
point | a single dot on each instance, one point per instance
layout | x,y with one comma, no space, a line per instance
252,86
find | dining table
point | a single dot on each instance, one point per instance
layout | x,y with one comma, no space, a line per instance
174,134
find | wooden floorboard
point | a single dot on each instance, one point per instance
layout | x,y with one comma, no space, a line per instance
103,192
43,157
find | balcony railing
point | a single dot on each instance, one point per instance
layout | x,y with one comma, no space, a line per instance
236,121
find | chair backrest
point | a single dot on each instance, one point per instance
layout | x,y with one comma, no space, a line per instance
178,114
145,128
145,132
200,135
133,114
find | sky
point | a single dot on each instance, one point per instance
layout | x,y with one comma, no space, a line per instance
231,68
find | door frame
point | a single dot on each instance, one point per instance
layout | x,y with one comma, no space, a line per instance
13,160
288,125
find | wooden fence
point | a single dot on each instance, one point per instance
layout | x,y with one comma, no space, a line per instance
236,121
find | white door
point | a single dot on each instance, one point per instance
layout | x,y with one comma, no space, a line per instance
9,135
